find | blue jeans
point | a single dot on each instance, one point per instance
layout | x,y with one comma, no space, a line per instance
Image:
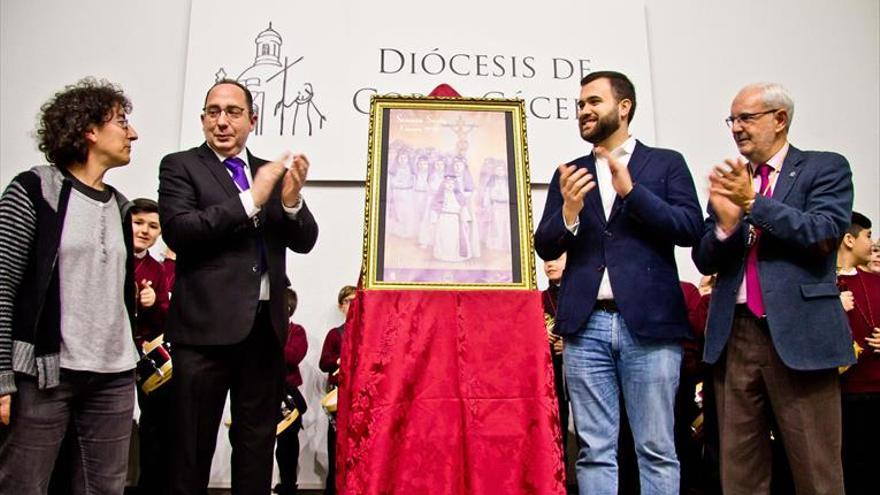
602,360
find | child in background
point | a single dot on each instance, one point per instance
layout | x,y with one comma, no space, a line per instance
329,363
287,450
154,423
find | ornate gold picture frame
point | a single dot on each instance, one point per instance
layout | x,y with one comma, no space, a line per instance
448,204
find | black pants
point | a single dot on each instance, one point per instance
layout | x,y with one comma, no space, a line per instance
154,439
330,487
562,397
252,372
861,441
287,455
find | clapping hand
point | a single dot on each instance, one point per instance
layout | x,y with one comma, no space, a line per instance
574,184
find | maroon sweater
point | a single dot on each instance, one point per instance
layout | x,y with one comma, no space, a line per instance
294,352
330,354
864,376
150,321
698,311
169,266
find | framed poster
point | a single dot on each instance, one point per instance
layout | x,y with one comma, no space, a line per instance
448,204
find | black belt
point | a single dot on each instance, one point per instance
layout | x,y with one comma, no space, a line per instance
606,305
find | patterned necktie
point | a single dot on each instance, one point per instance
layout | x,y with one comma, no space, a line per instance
754,298
236,166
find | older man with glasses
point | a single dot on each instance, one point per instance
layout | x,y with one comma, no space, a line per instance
776,330
230,217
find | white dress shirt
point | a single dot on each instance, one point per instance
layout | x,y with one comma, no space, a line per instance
622,154
775,163
251,209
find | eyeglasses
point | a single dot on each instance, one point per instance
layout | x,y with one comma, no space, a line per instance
747,118
214,112
122,122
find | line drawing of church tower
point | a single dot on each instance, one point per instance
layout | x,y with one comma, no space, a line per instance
267,79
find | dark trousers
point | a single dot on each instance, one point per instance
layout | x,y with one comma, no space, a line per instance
287,455
564,413
330,486
562,397
252,372
752,387
95,409
154,440
861,442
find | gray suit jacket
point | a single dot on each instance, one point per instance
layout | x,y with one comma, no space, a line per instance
801,223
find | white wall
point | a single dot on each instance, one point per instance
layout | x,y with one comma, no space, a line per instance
826,51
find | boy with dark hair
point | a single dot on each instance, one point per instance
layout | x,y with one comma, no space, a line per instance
149,273
154,422
860,383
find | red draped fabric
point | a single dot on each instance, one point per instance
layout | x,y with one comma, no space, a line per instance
447,392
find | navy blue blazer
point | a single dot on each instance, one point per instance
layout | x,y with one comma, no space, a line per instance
636,245
801,224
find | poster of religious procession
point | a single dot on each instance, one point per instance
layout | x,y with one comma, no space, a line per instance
448,202
313,67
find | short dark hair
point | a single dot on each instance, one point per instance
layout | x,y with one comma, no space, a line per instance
344,292
70,113
621,87
144,205
248,97
292,301
858,223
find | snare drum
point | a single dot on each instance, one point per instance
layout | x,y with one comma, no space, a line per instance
154,368
289,413
329,401
293,405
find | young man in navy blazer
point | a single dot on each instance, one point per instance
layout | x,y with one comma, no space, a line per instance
618,213
776,330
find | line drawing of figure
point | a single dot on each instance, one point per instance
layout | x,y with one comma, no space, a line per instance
304,105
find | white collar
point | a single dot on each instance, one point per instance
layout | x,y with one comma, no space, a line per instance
242,155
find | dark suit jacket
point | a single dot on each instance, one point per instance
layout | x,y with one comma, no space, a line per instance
801,223
636,245
218,255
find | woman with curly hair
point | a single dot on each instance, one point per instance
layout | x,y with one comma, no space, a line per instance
67,296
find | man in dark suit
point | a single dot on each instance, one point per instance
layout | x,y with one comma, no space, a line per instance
621,311
230,217
776,328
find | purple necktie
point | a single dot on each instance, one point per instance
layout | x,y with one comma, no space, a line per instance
236,166
754,298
